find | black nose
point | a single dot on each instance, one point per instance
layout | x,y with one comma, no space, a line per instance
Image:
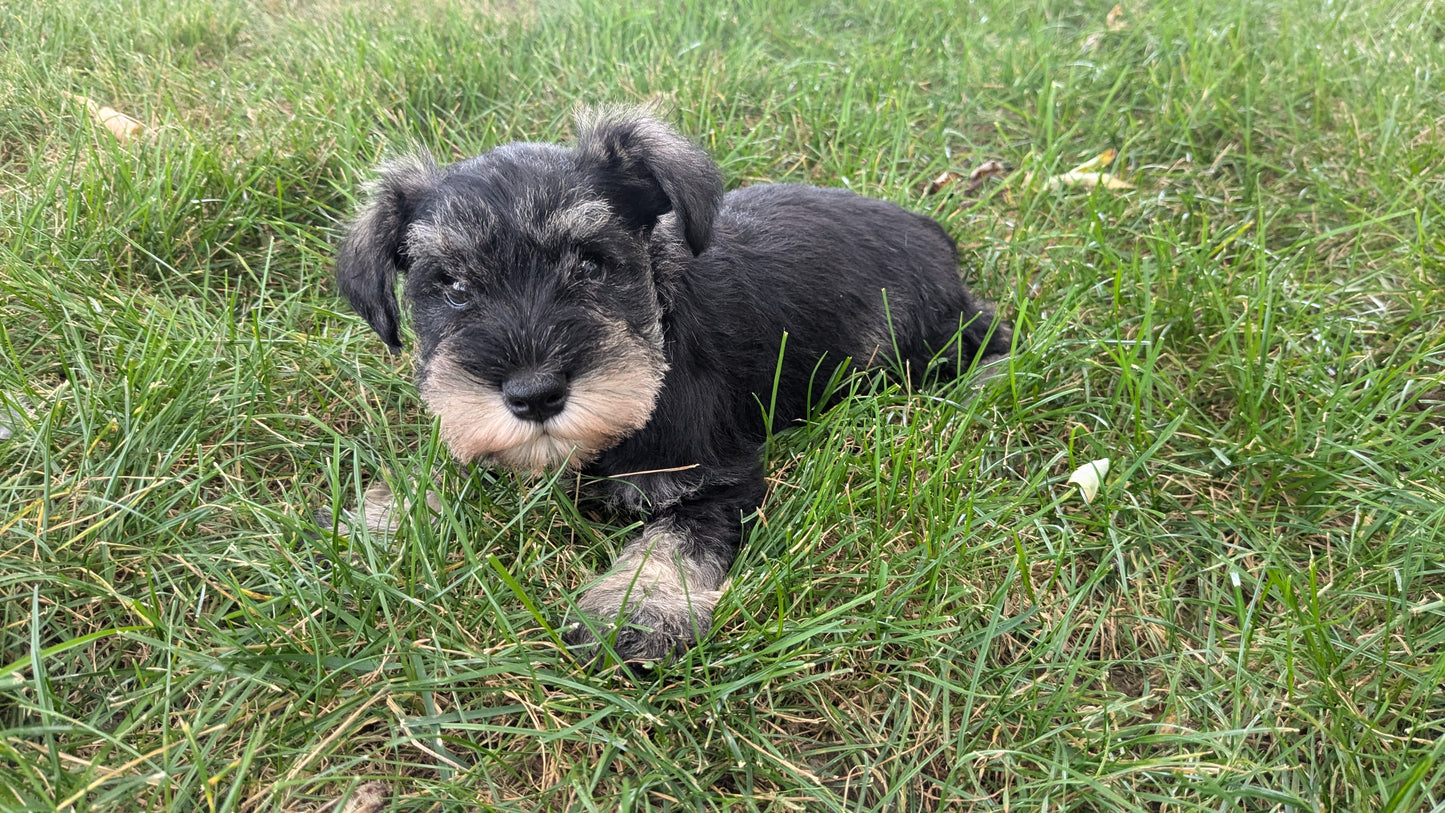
535,396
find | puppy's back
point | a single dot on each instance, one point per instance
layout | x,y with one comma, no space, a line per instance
844,276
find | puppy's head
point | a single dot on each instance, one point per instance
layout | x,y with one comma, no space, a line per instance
530,286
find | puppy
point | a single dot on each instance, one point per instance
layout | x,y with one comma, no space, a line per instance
607,308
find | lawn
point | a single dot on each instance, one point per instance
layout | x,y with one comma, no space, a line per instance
1250,615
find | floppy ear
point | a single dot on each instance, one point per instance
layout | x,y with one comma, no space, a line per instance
645,170
374,251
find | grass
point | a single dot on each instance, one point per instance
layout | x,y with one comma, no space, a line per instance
1250,616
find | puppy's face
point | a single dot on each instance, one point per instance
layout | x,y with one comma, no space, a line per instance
537,321
536,313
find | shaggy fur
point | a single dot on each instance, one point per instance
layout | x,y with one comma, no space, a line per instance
607,308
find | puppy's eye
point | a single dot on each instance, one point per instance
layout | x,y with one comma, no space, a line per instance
591,269
457,295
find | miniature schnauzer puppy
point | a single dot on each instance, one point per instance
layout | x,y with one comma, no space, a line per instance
607,308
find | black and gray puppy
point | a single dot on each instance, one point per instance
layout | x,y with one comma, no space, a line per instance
608,308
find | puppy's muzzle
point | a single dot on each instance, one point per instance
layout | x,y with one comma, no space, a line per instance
534,396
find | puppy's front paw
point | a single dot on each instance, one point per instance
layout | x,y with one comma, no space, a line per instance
642,625
652,606
650,635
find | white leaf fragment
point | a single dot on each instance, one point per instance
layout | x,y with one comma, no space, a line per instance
1089,175
123,127
1089,476
13,416
1087,180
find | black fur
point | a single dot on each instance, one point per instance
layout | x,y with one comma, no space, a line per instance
615,286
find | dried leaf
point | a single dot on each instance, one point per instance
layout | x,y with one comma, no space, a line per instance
1088,175
1099,161
984,171
942,182
1089,477
369,798
1169,724
1115,19
13,416
123,127
1087,180
981,173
